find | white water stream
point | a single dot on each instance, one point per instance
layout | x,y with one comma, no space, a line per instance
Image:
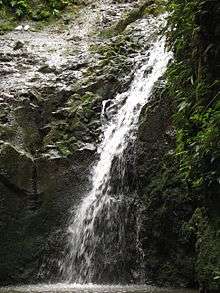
86,228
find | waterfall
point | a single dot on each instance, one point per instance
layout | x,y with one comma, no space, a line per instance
99,221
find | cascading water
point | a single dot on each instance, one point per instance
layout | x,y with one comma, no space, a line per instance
100,220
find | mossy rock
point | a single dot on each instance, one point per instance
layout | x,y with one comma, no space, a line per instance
147,7
71,125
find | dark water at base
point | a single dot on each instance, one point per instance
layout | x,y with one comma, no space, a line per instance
62,288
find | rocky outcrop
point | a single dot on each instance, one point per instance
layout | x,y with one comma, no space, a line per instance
53,83
164,206
36,195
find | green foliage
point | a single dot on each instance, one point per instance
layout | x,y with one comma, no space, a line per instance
56,6
197,121
38,11
6,26
208,248
197,115
19,7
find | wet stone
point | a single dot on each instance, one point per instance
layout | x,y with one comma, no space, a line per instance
47,69
19,45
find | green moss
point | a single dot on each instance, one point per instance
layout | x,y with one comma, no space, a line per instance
156,9
71,125
63,149
113,58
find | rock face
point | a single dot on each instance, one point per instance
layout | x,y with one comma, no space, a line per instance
164,206
33,207
52,86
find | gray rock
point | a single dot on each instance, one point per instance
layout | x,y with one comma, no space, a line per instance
47,69
18,45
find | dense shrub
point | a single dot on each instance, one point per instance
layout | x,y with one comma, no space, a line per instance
193,81
197,101
41,9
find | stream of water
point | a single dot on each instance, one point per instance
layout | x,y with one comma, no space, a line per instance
93,224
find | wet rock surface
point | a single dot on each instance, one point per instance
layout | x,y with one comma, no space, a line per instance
52,86
163,202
